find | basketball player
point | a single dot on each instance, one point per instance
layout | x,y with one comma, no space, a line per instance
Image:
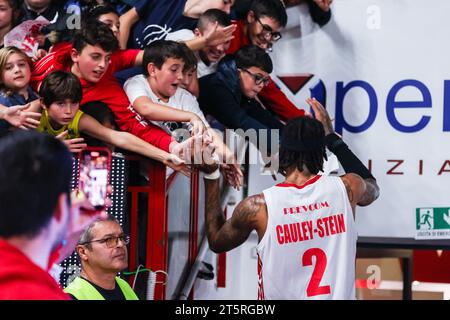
305,225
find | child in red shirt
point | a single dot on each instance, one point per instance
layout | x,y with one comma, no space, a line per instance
261,27
93,57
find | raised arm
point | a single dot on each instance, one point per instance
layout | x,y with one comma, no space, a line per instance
228,162
129,142
363,194
139,59
34,106
356,188
152,111
127,20
158,112
216,35
224,235
20,116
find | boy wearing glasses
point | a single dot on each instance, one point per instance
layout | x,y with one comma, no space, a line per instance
230,94
103,253
261,27
208,56
319,10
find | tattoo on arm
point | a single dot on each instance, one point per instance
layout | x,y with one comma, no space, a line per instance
245,214
224,235
360,192
214,218
372,193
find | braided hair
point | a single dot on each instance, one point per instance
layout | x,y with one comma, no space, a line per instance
302,146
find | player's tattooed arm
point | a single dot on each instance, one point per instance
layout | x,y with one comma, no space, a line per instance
224,235
360,191
371,194
350,195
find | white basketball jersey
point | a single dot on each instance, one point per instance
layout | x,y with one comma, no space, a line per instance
309,248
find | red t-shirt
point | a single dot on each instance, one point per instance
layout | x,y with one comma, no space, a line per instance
240,37
21,279
271,95
107,90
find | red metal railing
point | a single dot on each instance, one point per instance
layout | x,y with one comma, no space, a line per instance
157,237
222,265
193,223
157,191
156,243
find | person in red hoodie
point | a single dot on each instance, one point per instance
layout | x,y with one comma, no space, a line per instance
39,224
262,27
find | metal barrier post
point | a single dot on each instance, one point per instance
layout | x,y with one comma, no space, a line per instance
193,221
157,225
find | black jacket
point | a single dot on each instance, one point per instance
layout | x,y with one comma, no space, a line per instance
221,97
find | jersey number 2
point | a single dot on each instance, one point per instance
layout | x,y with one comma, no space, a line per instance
314,288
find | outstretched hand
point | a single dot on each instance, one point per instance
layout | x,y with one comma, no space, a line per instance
74,145
19,118
217,36
38,55
172,161
231,169
198,127
233,174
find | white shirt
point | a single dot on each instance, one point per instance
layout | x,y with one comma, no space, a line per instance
184,35
309,248
138,86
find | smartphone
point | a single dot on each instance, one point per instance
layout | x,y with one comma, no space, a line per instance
94,174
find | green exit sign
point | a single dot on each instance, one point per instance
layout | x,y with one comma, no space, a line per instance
432,218
432,223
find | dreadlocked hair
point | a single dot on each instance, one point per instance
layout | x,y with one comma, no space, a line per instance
307,131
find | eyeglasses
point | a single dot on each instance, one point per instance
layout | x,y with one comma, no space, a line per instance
111,242
257,78
267,30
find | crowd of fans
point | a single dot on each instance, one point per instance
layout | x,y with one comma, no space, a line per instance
148,76
140,66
